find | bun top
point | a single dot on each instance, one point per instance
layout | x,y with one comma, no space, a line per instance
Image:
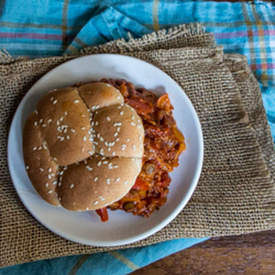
83,146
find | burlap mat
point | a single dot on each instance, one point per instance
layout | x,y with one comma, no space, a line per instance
235,189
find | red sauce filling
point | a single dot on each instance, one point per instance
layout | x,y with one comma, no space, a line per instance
163,145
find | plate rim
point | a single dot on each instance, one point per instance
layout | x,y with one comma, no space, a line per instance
155,228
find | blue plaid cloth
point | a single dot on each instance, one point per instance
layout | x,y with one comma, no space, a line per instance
45,28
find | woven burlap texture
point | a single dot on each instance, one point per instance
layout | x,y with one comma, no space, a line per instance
235,189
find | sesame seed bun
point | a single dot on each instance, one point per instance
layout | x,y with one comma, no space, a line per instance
83,146
97,182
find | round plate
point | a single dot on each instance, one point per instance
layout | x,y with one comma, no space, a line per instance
122,228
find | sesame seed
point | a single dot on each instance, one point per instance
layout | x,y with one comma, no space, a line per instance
108,118
101,151
44,125
50,170
126,182
87,208
27,167
83,128
96,202
66,113
101,198
47,185
44,145
85,161
57,122
123,147
55,101
110,166
118,97
99,164
121,113
67,137
89,168
62,138
101,139
134,147
49,177
105,162
72,186
139,126
133,124
55,182
73,130
109,149
128,140
36,112
117,139
90,153
118,129
98,135
41,169
54,158
117,179
59,184
34,148
95,179
83,115
76,101
40,120
115,166
49,121
116,134
96,123
133,117
35,123
52,98
119,107
108,181
84,138
39,148
50,191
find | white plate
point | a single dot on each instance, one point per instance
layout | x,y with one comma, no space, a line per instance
122,228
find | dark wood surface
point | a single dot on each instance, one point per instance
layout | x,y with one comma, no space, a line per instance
246,254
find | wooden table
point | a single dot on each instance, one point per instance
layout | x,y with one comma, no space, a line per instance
246,254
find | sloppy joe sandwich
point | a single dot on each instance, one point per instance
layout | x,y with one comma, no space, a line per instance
102,144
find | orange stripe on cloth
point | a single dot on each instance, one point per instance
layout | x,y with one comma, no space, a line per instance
263,55
124,260
155,15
